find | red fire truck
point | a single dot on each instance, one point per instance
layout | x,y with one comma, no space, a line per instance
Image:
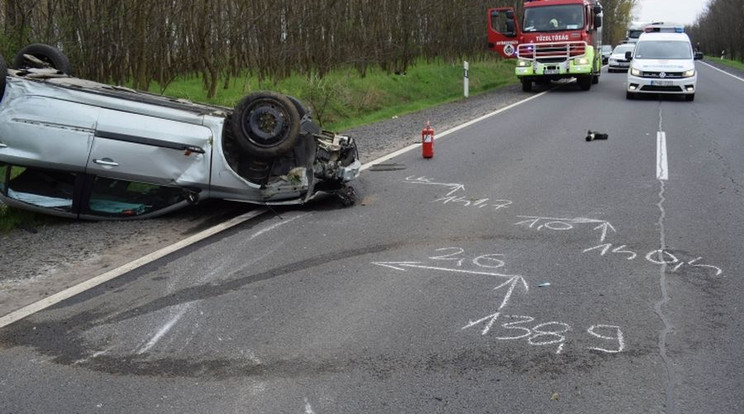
556,39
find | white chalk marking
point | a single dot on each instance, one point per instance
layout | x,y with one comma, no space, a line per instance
308,407
164,330
491,319
662,166
450,131
618,337
113,274
604,227
274,226
418,265
454,187
512,283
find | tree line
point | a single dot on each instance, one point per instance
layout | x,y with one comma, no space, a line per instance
719,29
145,41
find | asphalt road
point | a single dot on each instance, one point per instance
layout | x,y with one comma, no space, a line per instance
521,270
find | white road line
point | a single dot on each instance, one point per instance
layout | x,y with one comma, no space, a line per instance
662,166
110,275
450,131
723,71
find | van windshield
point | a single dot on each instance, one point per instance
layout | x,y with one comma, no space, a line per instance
663,49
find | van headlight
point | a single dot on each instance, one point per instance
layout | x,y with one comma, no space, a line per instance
581,61
688,73
635,72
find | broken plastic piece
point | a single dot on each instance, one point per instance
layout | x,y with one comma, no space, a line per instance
592,135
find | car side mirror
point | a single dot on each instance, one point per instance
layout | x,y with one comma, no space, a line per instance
628,55
597,21
698,55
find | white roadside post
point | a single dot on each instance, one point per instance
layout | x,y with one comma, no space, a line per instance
466,85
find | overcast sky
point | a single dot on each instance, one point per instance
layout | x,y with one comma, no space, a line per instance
669,11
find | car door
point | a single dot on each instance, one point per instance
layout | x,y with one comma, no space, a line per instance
44,132
151,150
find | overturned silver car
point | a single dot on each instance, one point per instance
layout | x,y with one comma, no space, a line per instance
76,148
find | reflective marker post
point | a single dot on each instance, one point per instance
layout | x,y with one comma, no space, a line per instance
466,88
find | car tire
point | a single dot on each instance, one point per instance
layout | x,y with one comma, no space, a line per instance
526,85
585,82
3,74
629,95
690,97
45,53
266,124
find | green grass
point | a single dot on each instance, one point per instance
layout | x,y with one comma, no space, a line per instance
340,100
728,62
343,99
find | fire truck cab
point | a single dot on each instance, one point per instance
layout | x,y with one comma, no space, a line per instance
555,39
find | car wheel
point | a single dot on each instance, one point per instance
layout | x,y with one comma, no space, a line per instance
266,124
3,73
48,55
690,97
629,95
526,85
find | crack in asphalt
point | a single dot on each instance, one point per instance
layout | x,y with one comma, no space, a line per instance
658,306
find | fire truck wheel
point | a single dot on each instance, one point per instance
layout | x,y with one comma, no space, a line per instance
526,85
595,79
585,82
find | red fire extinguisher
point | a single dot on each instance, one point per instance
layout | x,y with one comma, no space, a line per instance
427,141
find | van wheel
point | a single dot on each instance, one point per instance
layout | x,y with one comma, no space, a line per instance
3,74
629,95
48,56
266,124
690,97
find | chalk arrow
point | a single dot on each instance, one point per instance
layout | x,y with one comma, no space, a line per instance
605,227
417,265
455,188
512,283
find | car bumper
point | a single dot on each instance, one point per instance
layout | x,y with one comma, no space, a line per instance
619,65
568,68
684,86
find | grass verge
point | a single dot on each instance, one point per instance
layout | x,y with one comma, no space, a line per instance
728,62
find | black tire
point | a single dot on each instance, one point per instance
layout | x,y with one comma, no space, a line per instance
690,97
585,82
266,124
629,95
595,79
3,74
526,85
50,55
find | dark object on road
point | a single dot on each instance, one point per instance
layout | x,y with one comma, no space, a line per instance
76,148
592,135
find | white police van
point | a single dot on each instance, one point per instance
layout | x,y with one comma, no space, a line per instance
663,62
